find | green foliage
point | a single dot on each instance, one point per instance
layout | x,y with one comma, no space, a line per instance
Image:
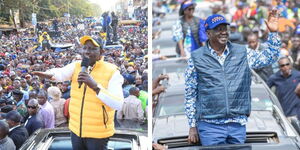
47,9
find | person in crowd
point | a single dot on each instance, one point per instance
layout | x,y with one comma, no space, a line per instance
65,89
132,107
21,107
34,120
114,24
45,42
17,132
286,81
255,45
215,74
234,35
128,84
295,51
5,141
157,88
47,110
58,104
188,31
101,88
24,85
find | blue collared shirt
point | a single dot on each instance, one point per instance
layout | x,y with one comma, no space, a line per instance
255,60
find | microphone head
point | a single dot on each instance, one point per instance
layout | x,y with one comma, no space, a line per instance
85,62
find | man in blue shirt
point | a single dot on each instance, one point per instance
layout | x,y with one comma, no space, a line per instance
286,81
218,79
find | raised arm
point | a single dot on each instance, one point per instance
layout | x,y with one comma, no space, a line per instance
259,59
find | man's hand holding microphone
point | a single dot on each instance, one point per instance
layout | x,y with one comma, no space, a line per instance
84,76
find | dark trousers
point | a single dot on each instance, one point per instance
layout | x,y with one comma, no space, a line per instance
79,143
115,36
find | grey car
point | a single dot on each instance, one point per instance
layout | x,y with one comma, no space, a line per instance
267,127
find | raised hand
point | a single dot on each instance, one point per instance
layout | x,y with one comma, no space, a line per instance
272,22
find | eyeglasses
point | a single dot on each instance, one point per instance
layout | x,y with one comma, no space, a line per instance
221,29
191,9
32,107
282,65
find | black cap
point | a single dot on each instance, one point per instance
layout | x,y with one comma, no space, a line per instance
14,116
2,100
6,108
18,92
11,102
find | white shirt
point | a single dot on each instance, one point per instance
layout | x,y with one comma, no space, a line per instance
112,96
13,128
132,109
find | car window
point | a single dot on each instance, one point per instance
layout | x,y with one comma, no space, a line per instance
175,67
260,99
119,145
173,104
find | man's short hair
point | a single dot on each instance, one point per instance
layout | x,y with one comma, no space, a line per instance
133,90
284,57
4,127
14,116
43,93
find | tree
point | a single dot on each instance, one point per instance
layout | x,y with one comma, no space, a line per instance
46,9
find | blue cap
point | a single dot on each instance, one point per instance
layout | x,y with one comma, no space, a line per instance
129,78
187,4
214,20
297,29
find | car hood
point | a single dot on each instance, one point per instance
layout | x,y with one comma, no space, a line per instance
263,121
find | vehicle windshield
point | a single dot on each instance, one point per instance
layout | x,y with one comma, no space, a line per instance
172,105
64,143
172,67
260,98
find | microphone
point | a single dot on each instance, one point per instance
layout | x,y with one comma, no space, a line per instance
84,66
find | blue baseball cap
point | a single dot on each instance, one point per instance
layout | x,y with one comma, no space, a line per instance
297,29
214,20
187,4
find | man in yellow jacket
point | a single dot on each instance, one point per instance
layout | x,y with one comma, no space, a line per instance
92,107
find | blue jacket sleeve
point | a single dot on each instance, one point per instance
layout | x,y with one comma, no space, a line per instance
201,32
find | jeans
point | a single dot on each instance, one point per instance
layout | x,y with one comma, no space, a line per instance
79,143
215,134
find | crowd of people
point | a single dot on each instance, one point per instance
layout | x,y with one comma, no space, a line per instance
29,102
